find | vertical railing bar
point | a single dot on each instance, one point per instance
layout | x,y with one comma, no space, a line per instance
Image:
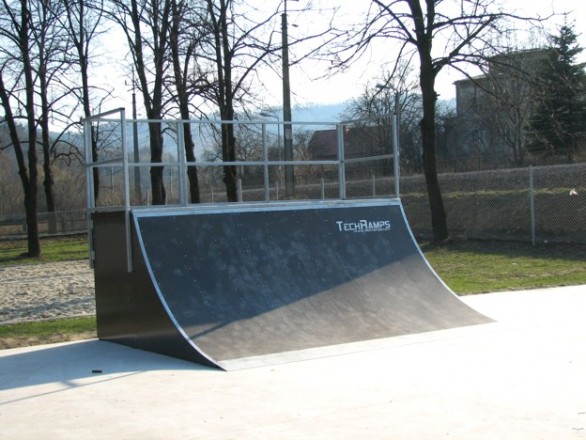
396,157
89,178
182,167
341,163
125,168
265,158
239,189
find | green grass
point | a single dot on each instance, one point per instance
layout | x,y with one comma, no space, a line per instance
52,249
470,267
44,332
466,266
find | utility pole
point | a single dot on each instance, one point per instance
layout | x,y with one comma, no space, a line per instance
287,127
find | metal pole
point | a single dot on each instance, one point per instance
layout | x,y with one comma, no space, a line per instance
398,113
182,165
265,158
129,262
288,137
239,189
278,143
89,177
137,188
396,158
341,162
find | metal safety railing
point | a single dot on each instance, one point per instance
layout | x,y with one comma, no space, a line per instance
121,160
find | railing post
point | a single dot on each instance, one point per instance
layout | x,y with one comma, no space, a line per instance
182,163
265,158
239,188
341,161
129,265
396,157
89,179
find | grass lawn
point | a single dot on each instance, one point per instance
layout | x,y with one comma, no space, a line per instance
468,267
53,249
488,266
47,332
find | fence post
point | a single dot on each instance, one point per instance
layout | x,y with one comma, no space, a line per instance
532,204
239,189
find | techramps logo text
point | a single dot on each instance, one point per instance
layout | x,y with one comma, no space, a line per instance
364,226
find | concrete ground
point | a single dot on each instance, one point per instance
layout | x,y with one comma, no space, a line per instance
522,377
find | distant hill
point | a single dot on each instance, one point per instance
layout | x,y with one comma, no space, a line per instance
319,112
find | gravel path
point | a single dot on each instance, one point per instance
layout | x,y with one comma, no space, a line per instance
43,291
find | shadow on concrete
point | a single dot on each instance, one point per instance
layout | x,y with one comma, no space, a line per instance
67,363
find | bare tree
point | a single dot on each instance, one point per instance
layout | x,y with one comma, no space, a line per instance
17,86
10,187
494,109
437,34
187,36
377,104
81,21
50,64
239,48
147,27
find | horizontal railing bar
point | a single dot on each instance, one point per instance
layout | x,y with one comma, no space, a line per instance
213,121
108,163
101,115
369,159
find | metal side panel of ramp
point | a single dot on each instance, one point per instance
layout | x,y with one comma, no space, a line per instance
248,281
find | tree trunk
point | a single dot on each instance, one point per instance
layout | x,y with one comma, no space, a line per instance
29,183
46,147
438,214
192,169
228,155
96,170
49,198
159,195
32,228
225,95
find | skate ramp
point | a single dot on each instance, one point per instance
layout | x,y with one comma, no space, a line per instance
215,285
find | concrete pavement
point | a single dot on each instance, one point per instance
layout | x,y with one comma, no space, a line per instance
522,377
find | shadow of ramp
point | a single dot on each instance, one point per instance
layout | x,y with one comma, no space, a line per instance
251,280
72,364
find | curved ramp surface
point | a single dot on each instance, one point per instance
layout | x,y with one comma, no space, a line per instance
257,280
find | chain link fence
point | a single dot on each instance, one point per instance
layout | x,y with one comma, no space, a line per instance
537,204
50,223
533,204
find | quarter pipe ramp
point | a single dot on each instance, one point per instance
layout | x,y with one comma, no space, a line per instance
215,284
